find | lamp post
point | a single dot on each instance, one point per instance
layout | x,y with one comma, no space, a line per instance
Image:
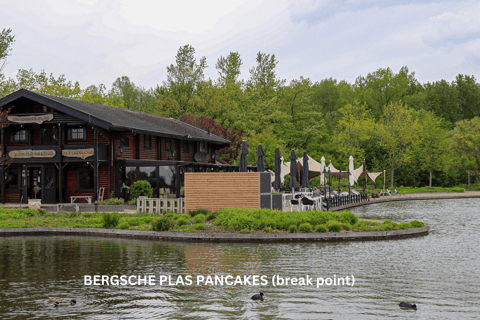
329,172
324,181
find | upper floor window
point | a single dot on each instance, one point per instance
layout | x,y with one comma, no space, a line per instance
48,135
186,146
19,135
203,146
77,134
148,141
125,142
168,144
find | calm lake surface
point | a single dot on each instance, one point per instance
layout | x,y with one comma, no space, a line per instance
439,272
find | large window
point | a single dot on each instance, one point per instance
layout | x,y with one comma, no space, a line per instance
148,141
125,142
19,135
85,179
77,134
12,179
186,146
48,136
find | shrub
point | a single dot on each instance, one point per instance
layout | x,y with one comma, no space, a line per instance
305,227
417,224
199,218
211,215
405,225
110,220
193,213
334,226
245,231
182,222
292,228
347,226
87,214
169,214
267,229
113,201
199,226
132,202
321,228
141,188
162,224
124,225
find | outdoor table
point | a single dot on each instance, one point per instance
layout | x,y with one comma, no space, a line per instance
88,198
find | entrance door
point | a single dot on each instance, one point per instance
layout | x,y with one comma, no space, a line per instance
40,178
49,185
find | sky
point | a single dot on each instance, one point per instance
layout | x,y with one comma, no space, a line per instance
97,41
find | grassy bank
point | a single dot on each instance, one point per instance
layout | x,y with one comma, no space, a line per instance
222,221
429,189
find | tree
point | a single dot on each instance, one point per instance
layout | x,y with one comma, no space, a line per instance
269,142
183,77
468,96
465,142
397,134
432,144
229,154
442,98
228,68
263,76
353,130
6,42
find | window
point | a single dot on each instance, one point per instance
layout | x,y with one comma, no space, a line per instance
48,136
168,144
12,179
186,146
125,142
19,135
203,146
148,141
85,179
77,134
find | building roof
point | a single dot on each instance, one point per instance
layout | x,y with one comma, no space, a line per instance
113,118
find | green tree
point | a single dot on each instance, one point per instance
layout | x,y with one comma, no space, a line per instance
465,142
228,69
397,132
269,142
6,42
442,98
468,96
263,76
353,130
432,146
183,77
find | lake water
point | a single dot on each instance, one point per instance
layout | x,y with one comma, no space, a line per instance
439,272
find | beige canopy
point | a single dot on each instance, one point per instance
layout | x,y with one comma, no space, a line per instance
360,172
314,167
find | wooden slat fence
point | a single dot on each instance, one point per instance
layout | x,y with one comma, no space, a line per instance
218,190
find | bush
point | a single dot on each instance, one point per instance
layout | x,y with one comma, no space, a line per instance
169,214
347,226
292,228
141,188
211,215
124,225
246,231
417,224
162,224
305,228
110,220
199,226
267,229
182,222
132,202
113,201
321,228
199,218
405,225
334,226
193,213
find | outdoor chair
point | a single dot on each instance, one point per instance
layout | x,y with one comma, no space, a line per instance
294,202
307,204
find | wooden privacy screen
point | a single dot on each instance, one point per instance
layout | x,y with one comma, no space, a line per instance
218,190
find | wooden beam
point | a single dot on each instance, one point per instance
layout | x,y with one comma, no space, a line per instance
95,168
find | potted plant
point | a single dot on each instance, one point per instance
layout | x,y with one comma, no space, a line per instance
34,203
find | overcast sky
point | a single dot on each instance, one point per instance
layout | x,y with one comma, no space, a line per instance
97,41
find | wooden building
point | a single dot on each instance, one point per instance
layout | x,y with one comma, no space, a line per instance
73,148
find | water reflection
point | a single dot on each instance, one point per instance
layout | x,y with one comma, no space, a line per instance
438,272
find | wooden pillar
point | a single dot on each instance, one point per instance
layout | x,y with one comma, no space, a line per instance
95,168
110,167
60,164
3,166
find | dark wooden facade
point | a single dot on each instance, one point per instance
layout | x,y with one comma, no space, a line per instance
73,148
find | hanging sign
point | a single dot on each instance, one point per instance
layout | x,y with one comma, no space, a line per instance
32,154
31,119
80,153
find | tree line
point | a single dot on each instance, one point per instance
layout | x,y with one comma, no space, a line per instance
421,133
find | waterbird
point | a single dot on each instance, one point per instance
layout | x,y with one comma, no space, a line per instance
407,305
64,303
258,296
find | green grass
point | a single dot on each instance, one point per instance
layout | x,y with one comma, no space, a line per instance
429,189
225,220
